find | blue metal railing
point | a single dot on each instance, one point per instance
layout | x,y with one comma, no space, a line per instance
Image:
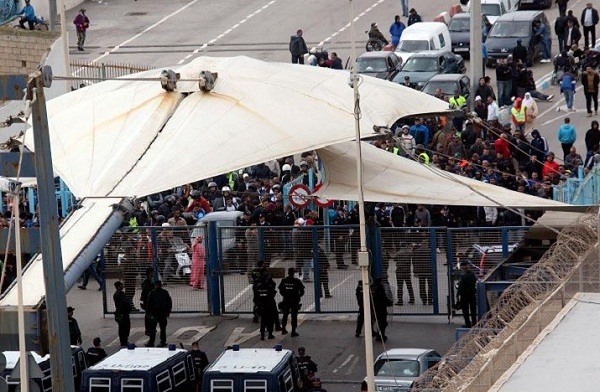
581,190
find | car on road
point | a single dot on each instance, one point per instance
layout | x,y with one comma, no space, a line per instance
424,65
396,369
421,37
449,83
380,64
460,33
535,4
496,8
511,27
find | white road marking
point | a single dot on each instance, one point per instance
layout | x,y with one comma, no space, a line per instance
139,332
350,370
235,26
237,336
348,24
346,361
146,30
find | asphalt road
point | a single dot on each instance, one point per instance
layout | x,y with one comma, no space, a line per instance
158,33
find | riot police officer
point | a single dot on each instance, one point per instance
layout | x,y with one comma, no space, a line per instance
292,290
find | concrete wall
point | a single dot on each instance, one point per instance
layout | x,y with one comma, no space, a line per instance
22,51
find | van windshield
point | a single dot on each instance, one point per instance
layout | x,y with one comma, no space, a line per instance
507,29
490,9
459,25
412,46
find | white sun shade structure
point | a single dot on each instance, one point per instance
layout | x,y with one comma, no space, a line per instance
391,178
132,138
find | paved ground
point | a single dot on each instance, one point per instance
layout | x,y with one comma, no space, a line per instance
329,339
159,34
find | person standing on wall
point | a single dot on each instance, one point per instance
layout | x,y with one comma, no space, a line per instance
82,23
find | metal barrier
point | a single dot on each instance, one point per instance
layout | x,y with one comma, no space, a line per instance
167,249
102,71
485,352
580,190
417,264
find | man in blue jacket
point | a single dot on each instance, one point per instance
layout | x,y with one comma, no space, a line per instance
396,30
567,136
28,16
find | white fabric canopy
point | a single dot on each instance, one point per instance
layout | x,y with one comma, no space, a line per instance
132,138
391,178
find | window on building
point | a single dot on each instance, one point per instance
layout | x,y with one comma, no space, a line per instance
132,385
99,384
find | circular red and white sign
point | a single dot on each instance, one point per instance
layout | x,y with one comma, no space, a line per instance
322,201
299,195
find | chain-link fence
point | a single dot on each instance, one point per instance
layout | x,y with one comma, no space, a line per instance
418,264
174,254
482,355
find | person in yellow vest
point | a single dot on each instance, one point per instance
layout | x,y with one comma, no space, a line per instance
519,115
422,156
458,103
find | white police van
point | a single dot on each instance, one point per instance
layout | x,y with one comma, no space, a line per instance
44,383
134,369
252,369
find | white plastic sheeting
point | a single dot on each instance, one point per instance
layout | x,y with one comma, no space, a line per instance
391,178
131,138
96,218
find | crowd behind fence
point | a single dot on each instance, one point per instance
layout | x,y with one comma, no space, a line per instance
418,264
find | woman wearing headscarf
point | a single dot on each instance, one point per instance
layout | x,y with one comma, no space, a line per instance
532,112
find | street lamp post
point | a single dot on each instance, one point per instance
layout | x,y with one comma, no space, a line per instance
363,254
476,61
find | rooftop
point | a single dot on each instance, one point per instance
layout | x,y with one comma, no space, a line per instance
248,360
137,359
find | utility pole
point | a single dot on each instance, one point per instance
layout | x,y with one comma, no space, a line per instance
476,60
52,17
363,253
56,302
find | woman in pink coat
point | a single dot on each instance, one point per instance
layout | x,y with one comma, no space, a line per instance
198,262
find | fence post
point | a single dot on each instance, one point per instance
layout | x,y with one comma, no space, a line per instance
481,299
434,277
504,236
450,269
154,240
261,243
103,71
103,278
374,246
315,262
213,269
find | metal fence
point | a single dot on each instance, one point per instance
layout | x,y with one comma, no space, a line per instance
103,71
483,354
418,265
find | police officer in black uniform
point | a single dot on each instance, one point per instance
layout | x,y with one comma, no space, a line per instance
267,308
96,353
147,287
122,310
305,365
200,363
257,275
158,305
467,295
292,290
